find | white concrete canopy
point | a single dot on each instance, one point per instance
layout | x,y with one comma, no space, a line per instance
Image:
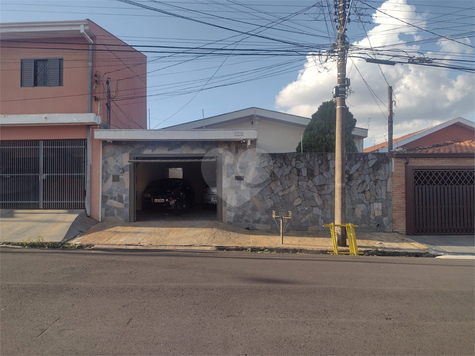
183,135
50,119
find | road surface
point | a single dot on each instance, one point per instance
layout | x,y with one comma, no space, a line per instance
56,302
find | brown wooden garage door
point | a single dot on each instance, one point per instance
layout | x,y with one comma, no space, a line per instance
440,201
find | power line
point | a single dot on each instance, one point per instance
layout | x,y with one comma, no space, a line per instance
134,3
369,41
127,116
418,27
371,91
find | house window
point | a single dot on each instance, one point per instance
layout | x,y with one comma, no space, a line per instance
46,72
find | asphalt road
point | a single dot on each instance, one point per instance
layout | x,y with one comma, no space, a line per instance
141,302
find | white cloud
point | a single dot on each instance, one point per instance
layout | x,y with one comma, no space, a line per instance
424,96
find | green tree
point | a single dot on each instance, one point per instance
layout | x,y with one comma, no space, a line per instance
319,135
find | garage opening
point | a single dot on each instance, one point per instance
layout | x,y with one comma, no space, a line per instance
182,188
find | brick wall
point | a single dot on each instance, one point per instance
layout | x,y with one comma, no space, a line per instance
399,183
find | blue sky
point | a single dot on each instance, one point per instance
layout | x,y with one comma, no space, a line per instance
275,55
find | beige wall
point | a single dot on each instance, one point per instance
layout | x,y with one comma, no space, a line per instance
63,133
96,185
69,98
127,69
272,136
43,132
399,183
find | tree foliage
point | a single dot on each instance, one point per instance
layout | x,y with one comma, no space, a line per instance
319,135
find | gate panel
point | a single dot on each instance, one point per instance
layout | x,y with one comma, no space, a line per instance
19,174
443,201
64,174
38,174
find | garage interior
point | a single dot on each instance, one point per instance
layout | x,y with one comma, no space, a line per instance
198,170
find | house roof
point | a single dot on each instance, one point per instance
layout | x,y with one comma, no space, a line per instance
43,29
447,147
404,140
385,144
270,115
253,111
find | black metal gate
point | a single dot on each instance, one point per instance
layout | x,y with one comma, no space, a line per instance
443,201
43,174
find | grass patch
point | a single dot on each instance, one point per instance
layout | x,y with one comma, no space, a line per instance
40,243
398,253
268,250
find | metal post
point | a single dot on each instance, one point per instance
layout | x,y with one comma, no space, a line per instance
88,170
340,198
108,104
41,175
390,118
281,230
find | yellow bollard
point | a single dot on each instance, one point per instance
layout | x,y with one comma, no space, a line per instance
350,233
332,232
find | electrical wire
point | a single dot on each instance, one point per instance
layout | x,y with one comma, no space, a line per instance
371,91
418,27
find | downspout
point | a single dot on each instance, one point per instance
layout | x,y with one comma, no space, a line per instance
89,84
89,130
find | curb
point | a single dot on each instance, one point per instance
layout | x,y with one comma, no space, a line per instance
395,253
254,249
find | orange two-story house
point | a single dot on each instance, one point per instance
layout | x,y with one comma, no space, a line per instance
60,81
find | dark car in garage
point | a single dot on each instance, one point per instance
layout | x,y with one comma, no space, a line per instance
210,197
173,194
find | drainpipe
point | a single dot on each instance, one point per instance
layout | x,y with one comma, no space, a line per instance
89,130
89,89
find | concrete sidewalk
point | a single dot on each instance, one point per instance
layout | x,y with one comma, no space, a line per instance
208,234
42,225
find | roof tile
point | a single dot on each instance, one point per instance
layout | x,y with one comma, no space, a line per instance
444,148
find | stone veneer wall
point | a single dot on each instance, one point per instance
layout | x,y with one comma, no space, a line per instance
116,156
303,183
256,184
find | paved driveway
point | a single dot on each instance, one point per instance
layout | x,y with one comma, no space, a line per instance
449,244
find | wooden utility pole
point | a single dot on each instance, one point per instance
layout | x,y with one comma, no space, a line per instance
341,109
390,118
108,103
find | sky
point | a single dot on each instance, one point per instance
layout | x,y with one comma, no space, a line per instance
210,57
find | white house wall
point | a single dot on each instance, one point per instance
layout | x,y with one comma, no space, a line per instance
272,137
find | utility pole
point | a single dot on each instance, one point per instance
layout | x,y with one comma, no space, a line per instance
108,104
390,118
341,110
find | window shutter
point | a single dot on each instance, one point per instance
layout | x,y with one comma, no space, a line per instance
27,72
54,75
